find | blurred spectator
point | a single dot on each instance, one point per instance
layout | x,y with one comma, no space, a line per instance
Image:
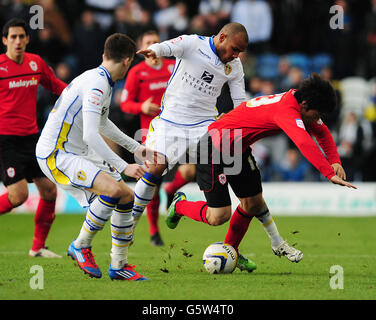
49,46
292,80
292,167
257,18
104,11
345,46
249,65
171,20
254,87
288,24
15,9
213,15
57,22
370,42
131,19
350,145
88,42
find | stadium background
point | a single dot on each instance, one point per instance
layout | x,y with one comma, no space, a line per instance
289,39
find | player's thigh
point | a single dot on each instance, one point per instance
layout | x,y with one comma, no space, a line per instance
248,182
46,188
170,141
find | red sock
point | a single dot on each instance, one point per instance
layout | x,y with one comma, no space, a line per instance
196,210
5,205
239,224
44,216
152,211
178,182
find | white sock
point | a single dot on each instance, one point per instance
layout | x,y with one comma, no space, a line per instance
270,227
99,212
122,234
143,193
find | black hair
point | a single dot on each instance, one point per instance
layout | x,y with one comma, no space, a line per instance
318,93
15,22
119,46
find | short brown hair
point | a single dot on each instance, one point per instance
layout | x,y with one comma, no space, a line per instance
119,46
15,22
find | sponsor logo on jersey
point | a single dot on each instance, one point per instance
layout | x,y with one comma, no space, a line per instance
33,65
158,85
176,39
319,122
23,83
170,68
204,54
11,172
200,85
81,175
228,69
4,69
300,123
222,179
207,77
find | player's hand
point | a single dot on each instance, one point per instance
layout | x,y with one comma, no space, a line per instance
149,108
147,53
148,156
339,171
134,170
338,180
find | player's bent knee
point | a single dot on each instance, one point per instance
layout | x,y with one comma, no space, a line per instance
217,216
17,199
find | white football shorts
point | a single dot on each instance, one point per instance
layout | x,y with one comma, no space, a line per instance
75,174
177,142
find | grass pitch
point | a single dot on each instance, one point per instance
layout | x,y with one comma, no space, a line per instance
177,272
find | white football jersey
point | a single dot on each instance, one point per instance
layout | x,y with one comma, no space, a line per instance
197,80
85,100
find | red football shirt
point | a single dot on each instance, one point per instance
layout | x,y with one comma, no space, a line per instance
270,115
143,82
18,93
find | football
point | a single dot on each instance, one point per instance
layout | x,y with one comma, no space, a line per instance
220,257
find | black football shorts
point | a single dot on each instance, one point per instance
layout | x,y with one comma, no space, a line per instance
17,159
213,180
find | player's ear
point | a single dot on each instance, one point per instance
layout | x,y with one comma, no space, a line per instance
27,40
5,42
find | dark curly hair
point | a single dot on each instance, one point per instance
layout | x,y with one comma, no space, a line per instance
318,93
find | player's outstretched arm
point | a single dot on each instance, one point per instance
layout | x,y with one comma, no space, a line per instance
148,53
337,180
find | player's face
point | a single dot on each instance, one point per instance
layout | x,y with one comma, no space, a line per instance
230,47
125,66
16,42
310,116
147,41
